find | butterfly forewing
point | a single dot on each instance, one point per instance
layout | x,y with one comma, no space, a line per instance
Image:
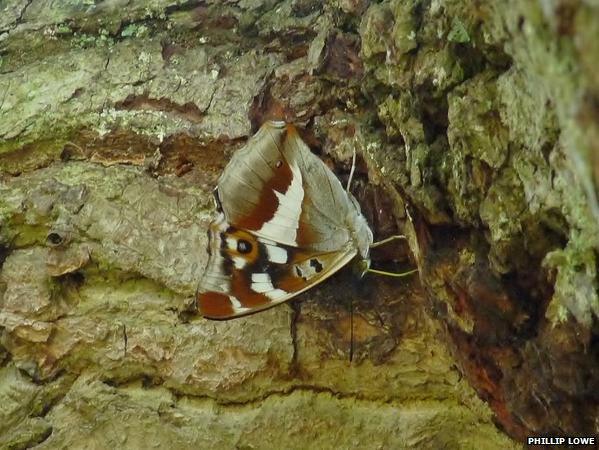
261,188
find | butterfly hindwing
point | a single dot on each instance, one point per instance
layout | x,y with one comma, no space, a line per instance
246,273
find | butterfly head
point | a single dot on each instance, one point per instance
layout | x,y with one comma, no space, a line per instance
360,266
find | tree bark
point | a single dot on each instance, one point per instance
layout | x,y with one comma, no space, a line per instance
476,126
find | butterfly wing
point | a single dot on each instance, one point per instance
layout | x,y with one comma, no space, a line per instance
282,226
328,213
246,273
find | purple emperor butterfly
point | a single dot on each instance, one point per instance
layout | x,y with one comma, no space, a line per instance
284,223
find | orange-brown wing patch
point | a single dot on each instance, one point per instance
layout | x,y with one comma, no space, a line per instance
241,288
291,282
291,132
305,232
268,202
307,269
215,305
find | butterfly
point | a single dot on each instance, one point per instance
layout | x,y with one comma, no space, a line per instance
284,223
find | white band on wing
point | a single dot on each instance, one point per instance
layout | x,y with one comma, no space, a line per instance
283,226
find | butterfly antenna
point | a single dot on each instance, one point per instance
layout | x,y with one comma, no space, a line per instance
351,172
387,240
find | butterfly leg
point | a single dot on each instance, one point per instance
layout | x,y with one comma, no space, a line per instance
392,274
383,272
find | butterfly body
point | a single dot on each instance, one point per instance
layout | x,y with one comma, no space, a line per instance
284,223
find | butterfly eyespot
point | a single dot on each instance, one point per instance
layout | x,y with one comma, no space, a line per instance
316,265
244,246
278,164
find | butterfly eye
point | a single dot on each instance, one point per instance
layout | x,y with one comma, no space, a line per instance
244,246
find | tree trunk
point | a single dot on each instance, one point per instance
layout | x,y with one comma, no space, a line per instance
477,130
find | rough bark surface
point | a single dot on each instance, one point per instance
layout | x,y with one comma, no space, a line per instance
480,118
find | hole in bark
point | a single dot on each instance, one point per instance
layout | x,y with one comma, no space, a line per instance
75,278
54,239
